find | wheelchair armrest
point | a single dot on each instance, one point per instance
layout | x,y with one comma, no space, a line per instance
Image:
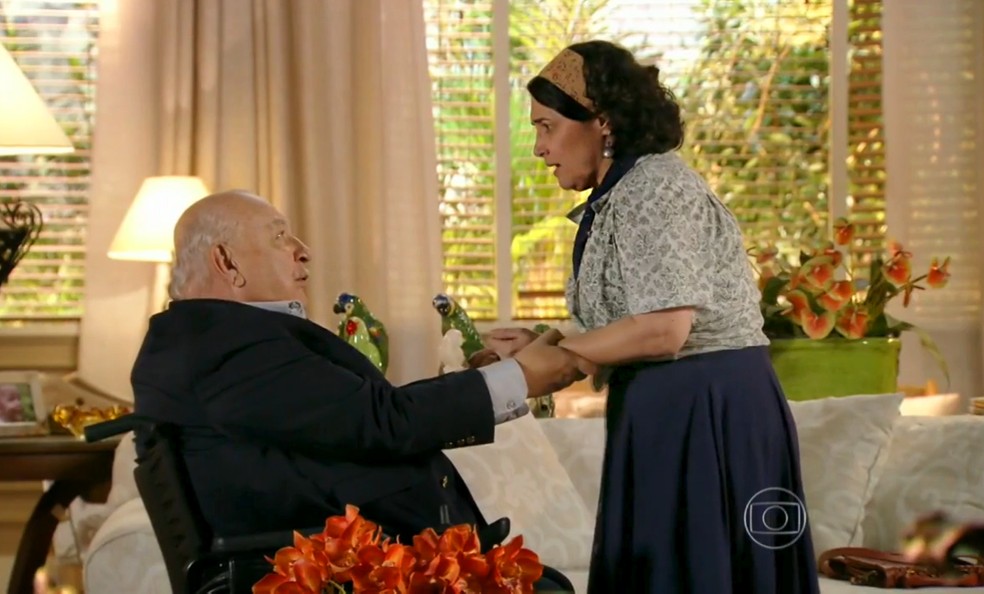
113,427
489,536
494,534
267,542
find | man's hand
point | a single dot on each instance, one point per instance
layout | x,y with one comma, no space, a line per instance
509,341
547,367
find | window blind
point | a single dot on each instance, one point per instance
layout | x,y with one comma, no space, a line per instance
459,44
753,78
54,43
866,131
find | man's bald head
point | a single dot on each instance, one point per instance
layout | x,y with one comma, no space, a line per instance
236,245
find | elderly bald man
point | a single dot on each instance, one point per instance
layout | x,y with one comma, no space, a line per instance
283,422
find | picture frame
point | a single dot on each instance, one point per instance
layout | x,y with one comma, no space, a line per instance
23,412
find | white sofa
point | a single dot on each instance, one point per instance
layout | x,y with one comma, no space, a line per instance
867,470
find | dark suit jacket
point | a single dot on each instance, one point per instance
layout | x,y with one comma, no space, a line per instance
285,424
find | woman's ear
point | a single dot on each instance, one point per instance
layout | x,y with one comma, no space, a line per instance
603,124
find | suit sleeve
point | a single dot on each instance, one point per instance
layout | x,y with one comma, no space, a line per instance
278,392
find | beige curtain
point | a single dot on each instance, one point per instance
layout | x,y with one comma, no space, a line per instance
322,107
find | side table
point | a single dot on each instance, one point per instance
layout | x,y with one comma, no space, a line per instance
78,469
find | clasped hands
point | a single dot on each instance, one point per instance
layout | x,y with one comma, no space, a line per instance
546,366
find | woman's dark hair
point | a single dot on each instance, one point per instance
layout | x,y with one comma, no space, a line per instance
642,112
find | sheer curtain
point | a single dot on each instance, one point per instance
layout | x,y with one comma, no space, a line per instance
322,107
934,122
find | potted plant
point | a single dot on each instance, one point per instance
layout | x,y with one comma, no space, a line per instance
830,334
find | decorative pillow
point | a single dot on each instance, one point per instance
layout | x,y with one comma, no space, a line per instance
934,405
934,464
72,537
580,447
124,486
520,477
842,452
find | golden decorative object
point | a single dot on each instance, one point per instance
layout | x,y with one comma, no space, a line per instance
75,418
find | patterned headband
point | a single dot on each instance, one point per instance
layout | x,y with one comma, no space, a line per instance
566,72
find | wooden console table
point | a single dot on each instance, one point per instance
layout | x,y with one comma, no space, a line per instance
78,469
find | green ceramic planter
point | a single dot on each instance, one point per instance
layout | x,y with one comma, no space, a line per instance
810,369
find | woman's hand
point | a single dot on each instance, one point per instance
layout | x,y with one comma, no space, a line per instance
506,342
483,357
586,367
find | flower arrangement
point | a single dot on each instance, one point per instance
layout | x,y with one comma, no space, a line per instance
821,296
351,550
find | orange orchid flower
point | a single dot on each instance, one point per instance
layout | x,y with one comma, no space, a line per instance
938,274
838,294
843,231
799,302
852,322
818,272
768,254
895,249
797,277
425,545
816,325
351,549
459,539
443,574
513,569
343,536
899,269
383,571
270,583
835,255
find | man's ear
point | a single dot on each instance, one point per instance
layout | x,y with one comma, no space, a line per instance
220,257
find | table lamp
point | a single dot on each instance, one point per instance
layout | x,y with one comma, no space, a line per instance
26,128
147,231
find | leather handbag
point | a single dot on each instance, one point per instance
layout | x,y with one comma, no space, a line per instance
879,569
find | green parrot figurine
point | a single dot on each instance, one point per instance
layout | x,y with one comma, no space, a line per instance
454,316
352,309
357,334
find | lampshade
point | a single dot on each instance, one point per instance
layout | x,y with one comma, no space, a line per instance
26,125
147,231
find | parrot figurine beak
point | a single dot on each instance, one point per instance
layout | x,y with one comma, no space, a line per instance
338,308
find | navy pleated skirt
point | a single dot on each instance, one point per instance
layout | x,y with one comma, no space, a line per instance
701,489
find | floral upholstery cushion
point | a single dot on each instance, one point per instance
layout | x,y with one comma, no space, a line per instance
934,464
843,446
519,476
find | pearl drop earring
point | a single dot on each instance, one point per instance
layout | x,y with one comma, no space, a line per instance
609,150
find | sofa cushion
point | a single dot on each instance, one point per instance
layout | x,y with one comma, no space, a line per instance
843,443
124,555
124,462
933,405
934,463
519,476
580,447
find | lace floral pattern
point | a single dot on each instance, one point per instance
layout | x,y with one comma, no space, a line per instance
661,239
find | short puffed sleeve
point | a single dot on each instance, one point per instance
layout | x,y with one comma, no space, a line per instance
662,239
